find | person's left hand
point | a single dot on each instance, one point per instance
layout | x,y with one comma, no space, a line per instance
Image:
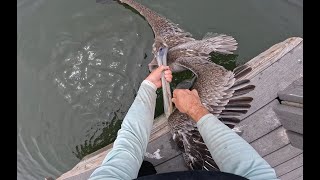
155,76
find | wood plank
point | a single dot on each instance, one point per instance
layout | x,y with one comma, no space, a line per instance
159,123
290,117
287,103
290,165
271,55
166,145
275,78
293,93
260,123
271,142
175,164
163,130
299,178
295,174
96,153
85,165
82,176
295,139
282,155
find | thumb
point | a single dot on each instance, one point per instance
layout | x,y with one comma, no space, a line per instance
195,92
161,68
173,100
158,71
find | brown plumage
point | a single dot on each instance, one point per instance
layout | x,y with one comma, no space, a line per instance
219,90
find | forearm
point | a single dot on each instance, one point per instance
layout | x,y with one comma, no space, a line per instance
232,153
125,159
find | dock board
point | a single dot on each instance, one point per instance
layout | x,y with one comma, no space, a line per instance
273,71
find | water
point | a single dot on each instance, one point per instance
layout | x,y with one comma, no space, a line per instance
80,65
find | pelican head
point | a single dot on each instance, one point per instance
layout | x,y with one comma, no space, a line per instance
159,47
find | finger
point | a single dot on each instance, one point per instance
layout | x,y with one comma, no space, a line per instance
168,76
169,79
195,92
180,92
161,68
176,92
173,100
167,72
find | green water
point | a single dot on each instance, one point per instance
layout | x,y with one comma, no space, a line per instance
80,65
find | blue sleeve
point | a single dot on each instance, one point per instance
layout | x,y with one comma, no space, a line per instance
126,156
231,152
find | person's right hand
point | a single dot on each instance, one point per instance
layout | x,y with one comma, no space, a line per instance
189,102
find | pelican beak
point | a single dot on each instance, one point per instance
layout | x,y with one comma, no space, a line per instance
154,63
163,52
167,103
162,57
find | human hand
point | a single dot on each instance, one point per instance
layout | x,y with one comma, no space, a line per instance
155,76
189,102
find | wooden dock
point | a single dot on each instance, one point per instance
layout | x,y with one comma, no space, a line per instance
274,70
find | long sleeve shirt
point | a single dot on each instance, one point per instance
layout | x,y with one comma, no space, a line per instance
231,153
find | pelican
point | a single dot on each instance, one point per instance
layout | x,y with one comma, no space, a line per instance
220,90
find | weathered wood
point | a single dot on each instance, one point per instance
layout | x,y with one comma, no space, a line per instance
96,153
273,70
272,55
299,178
287,103
290,117
282,155
168,149
82,176
158,124
290,165
295,174
161,128
293,93
275,78
85,165
260,123
175,164
295,139
271,142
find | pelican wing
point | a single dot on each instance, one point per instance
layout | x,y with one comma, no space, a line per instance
222,95
161,26
218,88
220,43
188,138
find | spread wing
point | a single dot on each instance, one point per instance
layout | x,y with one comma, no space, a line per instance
187,137
161,26
218,43
218,88
222,95
211,42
